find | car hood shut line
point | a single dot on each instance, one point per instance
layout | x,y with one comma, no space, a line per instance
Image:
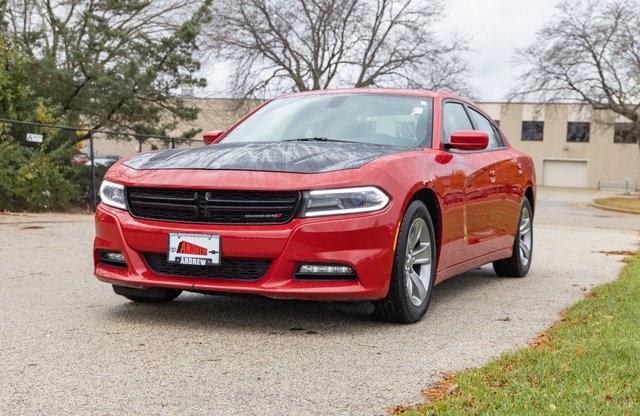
292,157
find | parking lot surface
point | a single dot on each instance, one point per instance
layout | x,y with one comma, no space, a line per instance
68,345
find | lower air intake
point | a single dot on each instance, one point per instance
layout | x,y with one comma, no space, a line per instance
230,268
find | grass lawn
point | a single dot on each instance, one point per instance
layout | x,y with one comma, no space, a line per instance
586,364
632,204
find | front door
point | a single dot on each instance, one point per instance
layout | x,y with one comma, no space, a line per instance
479,187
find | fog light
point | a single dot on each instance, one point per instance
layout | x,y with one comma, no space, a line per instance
112,258
324,271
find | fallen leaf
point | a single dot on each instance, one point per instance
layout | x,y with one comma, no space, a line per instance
452,389
400,408
441,389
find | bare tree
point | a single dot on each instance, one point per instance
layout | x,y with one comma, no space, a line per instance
589,52
299,45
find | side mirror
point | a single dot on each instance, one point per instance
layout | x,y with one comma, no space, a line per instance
212,136
468,140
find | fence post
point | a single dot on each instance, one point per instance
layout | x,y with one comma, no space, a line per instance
173,143
94,201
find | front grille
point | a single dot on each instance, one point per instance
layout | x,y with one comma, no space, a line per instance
213,207
229,268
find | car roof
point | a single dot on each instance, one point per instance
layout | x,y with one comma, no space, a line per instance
380,91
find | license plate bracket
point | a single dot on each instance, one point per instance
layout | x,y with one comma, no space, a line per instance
192,249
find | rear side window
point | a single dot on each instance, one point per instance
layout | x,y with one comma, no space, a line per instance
454,118
483,124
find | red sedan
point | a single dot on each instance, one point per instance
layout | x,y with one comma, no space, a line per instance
344,195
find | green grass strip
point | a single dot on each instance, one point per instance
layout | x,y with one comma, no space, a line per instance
623,203
586,364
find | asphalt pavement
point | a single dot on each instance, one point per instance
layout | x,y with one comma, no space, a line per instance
68,345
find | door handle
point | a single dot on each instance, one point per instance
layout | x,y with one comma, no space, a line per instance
492,175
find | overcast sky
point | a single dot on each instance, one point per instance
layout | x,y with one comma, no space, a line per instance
496,28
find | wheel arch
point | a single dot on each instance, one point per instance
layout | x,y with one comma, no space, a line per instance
528,193
429,197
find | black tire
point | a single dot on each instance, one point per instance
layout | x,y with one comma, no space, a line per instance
397,306
151,295
516,266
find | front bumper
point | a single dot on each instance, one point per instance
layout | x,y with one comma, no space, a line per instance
363,241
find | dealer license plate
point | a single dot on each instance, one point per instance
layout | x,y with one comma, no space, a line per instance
194,249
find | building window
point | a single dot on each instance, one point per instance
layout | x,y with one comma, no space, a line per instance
622,133
578,132
532,131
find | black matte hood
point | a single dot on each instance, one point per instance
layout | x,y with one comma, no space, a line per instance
291,156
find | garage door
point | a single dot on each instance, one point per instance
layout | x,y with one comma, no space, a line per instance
565,173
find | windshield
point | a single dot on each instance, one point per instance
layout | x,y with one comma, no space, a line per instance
363,118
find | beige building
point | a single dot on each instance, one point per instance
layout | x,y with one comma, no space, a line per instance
215,114
572,146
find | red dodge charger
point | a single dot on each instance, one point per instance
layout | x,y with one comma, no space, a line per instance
344,195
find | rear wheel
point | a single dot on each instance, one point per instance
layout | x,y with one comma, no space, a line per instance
520,261
413,271
151,295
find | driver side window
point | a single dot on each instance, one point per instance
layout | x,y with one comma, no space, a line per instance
454,118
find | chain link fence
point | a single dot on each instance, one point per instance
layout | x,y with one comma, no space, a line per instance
92,151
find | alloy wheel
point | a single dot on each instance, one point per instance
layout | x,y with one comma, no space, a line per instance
418,262
525,234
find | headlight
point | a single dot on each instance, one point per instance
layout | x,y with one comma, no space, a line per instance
343,201
112,194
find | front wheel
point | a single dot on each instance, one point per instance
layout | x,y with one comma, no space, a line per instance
414,269
520,261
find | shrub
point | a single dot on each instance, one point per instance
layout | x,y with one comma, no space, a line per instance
41,185
13,156
35,181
